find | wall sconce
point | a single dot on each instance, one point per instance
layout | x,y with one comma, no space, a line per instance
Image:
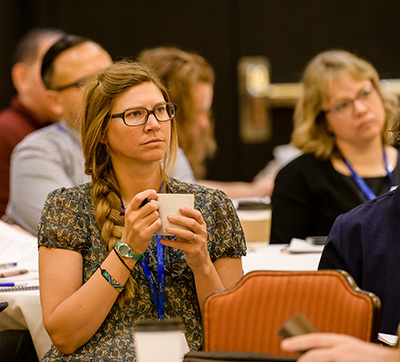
255,124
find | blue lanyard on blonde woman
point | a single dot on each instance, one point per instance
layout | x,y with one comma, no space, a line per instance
158,298
362,184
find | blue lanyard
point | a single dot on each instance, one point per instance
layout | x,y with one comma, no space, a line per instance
62,129
362,184
159,300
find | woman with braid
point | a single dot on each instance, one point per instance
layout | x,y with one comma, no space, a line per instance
98,247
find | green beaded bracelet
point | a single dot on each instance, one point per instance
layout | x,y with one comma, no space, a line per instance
118,287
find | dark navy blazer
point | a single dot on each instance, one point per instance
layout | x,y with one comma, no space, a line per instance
366,243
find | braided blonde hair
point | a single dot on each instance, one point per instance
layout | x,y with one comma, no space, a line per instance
101,93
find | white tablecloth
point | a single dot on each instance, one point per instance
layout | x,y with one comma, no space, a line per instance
261,256
23,311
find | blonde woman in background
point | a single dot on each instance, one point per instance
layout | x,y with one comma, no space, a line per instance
341,124
190,81
97,245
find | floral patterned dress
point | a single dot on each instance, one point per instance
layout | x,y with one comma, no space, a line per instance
68,222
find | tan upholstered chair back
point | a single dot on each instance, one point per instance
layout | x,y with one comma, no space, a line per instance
248,316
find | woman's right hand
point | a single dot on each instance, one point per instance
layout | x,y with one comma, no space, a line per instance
141,222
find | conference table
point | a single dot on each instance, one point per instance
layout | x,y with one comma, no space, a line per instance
24,311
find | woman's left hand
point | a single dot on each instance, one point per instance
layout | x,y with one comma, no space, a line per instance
330,347
193,241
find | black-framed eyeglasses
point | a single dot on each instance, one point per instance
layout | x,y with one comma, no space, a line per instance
78,84
138,116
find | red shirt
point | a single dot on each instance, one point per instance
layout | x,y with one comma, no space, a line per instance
15,123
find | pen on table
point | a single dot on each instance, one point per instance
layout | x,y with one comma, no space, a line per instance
15,284
3,305
12,273
7,265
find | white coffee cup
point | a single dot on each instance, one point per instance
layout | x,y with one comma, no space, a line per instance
169,204
160,340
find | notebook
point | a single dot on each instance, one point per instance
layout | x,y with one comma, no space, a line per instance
20,288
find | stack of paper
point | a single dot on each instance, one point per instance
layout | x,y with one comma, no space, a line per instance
18,259
17,245
303,246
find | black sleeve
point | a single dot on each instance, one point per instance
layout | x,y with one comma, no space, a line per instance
291,205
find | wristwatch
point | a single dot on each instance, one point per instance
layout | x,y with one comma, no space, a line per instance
126,251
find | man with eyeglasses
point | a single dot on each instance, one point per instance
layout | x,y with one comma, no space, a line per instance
52,157
28,109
